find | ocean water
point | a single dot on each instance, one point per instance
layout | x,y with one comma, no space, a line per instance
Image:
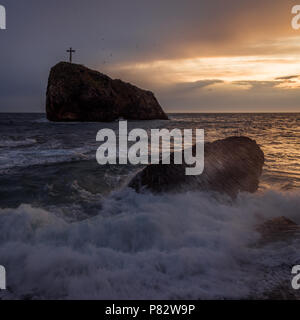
71,229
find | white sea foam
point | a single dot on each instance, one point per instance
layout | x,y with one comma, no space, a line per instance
16,143
15,158
41,120
147,247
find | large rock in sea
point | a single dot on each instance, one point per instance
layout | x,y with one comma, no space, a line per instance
76,93
232,165
278,229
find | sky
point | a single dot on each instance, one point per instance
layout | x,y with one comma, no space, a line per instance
195,55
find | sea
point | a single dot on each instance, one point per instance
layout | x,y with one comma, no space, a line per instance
72,229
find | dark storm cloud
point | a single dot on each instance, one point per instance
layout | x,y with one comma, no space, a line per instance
190,86
116,31
264,95
257,85
288,77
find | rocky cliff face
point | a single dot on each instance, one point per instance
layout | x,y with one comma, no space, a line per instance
232,165
76,93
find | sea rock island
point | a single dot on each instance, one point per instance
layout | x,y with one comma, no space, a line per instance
77,93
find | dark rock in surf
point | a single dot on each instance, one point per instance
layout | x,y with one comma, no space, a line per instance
76,93
232,165
277,229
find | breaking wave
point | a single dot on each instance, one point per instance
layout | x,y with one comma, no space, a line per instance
16,143
183,246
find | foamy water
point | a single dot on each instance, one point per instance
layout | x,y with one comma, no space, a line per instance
71,229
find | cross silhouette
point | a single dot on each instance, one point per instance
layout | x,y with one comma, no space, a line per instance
71,51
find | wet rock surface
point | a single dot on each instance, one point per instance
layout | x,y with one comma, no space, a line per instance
232,165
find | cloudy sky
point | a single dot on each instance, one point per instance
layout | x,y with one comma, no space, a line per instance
196,55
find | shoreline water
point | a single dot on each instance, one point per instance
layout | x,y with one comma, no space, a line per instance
70,229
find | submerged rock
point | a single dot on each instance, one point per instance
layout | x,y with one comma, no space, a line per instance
278,229
76,93
232,165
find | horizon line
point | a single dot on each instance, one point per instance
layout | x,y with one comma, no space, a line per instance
187,112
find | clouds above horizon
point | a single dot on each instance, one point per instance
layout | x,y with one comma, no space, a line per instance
220,96
195,55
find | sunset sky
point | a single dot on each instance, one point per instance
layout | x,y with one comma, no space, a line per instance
197,56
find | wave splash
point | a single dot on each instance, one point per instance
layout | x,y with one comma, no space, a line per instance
183,246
